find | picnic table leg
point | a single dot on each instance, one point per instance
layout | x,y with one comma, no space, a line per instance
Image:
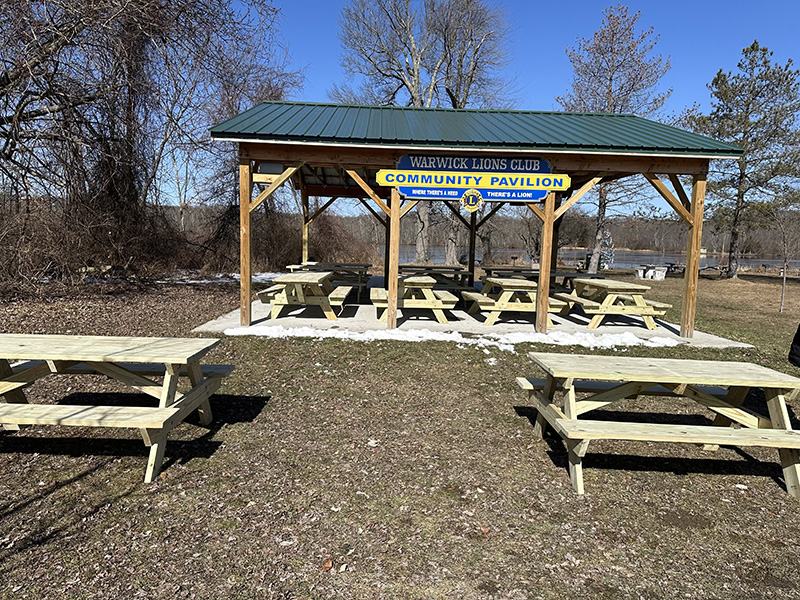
437,312
598,318
734,398
789,457
541,423
196,378
648,320
170,385
157,440
13,397
576,450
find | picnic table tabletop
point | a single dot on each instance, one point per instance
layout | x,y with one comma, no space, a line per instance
662,370
93,348
610,285
303,277
511,283
417,281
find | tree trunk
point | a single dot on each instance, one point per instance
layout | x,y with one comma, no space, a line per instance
451,243
602,206
423,225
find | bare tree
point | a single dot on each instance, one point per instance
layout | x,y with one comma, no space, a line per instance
101,101
616,71
422,53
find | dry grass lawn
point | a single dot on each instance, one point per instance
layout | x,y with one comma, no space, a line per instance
339,469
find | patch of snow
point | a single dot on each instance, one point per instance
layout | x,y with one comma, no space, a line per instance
186,277
505,342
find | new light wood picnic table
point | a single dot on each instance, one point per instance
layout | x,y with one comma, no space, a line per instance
447,277
566,277
416,291
129,360
720,386
305,288
603,297
348,274
506,294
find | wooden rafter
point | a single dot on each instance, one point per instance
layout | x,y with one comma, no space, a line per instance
536,210
365,186
662,189
381,219
497,206
676,183
577,196
321,209
407,207
456,213
278,182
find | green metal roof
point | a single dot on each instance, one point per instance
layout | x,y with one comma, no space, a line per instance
440,128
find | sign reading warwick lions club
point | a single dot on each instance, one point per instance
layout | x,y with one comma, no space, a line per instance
473,179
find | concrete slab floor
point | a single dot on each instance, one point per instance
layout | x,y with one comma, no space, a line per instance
360,318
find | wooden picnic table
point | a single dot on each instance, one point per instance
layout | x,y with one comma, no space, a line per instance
348,274
305,288
720,386
416,291
533,274
132,361
603,297
506,294
447,277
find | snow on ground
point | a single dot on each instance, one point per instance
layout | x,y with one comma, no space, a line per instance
506,342
186,277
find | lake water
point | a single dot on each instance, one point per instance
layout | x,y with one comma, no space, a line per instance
622,259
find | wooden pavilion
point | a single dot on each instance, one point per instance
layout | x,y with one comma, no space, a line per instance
335,151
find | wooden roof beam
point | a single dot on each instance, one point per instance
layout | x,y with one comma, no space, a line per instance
671,200
369,191
278,182
576,196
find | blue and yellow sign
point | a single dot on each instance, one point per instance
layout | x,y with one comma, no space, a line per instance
423,177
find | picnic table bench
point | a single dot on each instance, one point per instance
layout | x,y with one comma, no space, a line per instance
603,297
720,386
128,360
415,291
305,288
506,294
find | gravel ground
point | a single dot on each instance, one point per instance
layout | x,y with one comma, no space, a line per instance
338,469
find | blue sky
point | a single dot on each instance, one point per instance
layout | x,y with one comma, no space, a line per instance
700,36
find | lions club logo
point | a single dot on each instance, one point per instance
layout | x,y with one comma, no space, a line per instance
471,200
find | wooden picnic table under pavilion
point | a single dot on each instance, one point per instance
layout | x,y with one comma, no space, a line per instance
604,297
507,294
305,288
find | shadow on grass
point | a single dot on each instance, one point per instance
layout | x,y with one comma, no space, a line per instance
227,409
749,466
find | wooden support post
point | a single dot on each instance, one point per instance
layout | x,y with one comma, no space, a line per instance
306,222
545,257
556,232
473,229
387,225
245,192
394,259
692,272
